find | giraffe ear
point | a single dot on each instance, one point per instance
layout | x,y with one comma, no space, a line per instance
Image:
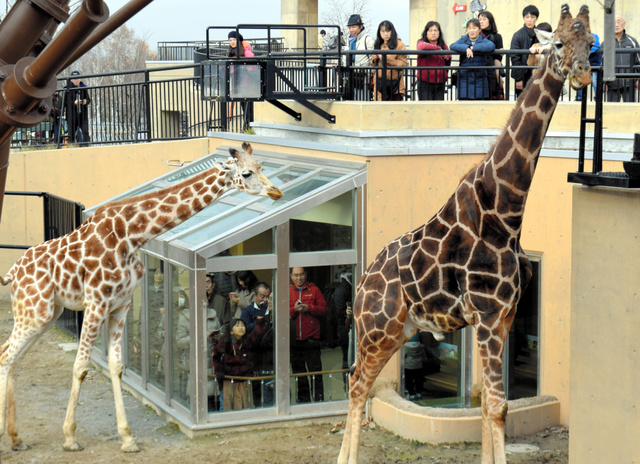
545,38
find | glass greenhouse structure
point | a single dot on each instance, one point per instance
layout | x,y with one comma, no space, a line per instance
318,225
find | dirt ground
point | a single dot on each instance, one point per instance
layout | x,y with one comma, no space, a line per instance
43,385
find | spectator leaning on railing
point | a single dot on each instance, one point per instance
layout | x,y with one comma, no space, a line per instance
473,83
523,39
625,63
431,82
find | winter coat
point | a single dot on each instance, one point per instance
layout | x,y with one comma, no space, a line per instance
246,296
248,50
433,76
235,357
392,60
625,62
307,324
363,42
494,83
473,84
523,39
414,355
251,313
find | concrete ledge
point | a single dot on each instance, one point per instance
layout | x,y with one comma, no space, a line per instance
442,425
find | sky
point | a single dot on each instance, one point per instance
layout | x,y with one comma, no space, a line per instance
187,20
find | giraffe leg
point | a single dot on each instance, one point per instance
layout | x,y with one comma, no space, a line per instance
494,403
116,324
368,365
22,338
88,337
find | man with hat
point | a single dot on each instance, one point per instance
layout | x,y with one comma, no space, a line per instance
76,100
358,88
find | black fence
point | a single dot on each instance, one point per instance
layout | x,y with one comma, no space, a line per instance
177,102
60,216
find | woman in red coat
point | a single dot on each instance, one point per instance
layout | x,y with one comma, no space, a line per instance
432,82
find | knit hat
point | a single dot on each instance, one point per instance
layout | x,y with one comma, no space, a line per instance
232,35
355,20
75,73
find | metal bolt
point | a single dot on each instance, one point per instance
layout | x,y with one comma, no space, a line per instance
44,108
10,109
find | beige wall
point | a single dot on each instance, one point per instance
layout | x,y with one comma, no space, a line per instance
605,368
86,175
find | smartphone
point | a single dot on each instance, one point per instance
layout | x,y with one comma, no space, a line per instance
299,302
232,294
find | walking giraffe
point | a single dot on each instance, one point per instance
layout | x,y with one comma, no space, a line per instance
96,268
465,266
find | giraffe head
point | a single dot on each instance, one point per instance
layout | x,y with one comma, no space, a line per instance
570,47
247,174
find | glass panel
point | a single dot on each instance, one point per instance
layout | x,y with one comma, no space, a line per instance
245,81
221,226
156,322
181,312
522,361
320,348
243,356
328,226
433,370
134,333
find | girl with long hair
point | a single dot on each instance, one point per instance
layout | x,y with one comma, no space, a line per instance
391,87
490,31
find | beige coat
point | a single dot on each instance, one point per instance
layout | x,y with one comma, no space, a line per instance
392,60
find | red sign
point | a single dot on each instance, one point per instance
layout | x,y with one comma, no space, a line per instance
458,8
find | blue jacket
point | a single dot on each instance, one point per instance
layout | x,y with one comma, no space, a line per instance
250,314
473,83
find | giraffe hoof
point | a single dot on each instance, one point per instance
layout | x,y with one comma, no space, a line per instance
73,447
130,447
20,446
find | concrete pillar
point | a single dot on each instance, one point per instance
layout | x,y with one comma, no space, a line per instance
420,13
300,12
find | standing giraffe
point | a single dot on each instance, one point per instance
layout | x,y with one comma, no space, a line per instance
466,266
96,268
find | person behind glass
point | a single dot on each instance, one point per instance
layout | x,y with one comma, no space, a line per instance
342,297
262,307
431,82
490,31
76,102
233,357
307,307
155,303
238,47
244,293
414,358
473,83
625,63
391,86
523,39
183,340
218,310
226,283
359,40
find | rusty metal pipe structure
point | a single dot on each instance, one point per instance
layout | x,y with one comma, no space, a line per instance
30,59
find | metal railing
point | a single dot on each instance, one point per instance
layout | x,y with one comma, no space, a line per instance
169,103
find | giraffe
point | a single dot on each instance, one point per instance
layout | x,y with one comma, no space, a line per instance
465,266
96,268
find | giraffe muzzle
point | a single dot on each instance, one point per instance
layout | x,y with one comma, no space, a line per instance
580,76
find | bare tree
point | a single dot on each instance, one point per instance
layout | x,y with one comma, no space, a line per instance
123,50
338,12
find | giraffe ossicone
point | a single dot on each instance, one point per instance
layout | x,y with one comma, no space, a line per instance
465,266
96,268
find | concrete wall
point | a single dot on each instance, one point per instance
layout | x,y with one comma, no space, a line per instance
605,322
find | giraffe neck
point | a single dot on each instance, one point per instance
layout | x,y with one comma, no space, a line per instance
503,179
144,217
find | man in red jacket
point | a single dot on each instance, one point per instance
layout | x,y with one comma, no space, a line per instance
306,307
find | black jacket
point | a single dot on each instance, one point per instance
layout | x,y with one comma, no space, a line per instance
523,39
625,62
